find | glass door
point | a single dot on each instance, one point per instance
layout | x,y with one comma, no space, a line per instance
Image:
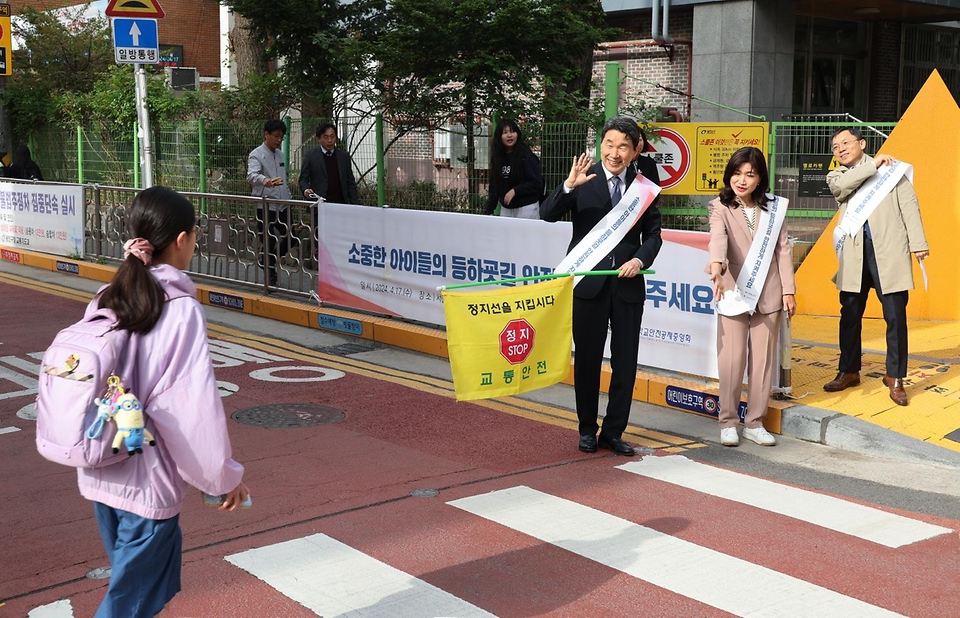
829,74
823,86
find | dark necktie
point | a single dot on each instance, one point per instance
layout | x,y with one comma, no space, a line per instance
328,153
615,195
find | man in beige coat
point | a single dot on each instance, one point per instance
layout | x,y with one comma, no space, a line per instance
877,256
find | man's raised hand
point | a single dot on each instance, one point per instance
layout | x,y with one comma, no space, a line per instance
578,172
883,159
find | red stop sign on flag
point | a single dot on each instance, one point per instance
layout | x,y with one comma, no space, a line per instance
516,341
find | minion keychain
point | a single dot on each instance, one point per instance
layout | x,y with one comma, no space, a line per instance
124,409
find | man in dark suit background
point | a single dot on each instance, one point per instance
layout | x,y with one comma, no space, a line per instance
590,191
327,171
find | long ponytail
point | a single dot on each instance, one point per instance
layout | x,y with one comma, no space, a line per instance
157,216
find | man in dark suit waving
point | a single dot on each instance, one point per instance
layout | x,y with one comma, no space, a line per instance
590,191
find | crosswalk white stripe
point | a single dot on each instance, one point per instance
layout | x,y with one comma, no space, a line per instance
31,369
679,566
333,579
857,520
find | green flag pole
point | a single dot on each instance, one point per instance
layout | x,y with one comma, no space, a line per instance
589,273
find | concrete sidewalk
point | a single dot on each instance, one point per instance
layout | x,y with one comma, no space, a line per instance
420,350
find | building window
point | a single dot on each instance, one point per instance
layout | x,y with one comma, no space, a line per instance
926,48
450,145
830,66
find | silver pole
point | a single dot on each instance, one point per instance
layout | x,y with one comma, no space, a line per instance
786,360
143,119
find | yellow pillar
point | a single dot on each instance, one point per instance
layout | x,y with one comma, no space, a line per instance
927,137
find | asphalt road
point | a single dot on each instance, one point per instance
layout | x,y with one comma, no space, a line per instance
410,504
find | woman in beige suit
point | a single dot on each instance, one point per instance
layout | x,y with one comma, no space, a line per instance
749,339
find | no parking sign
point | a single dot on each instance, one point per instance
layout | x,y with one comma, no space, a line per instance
691,157
672,154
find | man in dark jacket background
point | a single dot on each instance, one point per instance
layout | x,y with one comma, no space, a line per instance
327,171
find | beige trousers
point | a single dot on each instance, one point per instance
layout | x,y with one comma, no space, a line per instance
746,341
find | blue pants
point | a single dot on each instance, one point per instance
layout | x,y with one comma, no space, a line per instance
145,557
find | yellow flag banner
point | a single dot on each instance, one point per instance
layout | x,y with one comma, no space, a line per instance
508,341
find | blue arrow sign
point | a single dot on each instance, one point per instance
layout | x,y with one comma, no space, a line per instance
135,40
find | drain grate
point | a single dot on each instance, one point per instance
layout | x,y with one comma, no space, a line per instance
346,349
287,415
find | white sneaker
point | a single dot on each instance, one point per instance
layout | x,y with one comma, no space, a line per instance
729,437
759,435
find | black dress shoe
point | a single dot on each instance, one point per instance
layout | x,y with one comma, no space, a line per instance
588,444
617,445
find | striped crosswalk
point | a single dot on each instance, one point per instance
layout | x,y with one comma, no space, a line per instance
363,575
828,512
671,563
333,579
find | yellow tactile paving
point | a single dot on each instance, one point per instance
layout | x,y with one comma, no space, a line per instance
932,383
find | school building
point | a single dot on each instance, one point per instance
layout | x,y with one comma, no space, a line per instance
784,58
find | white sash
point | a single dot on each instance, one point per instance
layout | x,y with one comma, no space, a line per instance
743,298
862,204
610,230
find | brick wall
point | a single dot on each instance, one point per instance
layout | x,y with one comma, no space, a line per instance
645,59
195,24
410,158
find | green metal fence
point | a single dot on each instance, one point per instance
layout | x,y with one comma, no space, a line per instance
421,169
789,143
211,156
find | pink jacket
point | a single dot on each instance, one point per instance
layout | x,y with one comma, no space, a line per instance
730,242
176,386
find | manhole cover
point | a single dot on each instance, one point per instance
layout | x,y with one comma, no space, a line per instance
281,415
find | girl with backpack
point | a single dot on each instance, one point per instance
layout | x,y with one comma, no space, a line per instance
138,500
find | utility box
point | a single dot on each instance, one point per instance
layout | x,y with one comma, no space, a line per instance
218,236
182,78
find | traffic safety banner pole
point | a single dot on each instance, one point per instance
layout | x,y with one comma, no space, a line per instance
589,273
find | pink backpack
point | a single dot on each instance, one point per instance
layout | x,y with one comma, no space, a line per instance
73,377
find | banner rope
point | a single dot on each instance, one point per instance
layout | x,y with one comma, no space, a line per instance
589,273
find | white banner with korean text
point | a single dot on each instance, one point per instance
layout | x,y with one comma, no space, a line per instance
42,217
679,327
391,261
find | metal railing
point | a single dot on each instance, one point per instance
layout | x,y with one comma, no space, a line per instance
231,243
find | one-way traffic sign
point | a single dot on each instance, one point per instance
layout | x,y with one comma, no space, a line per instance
136,40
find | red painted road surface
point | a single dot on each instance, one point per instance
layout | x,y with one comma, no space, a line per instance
352,480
